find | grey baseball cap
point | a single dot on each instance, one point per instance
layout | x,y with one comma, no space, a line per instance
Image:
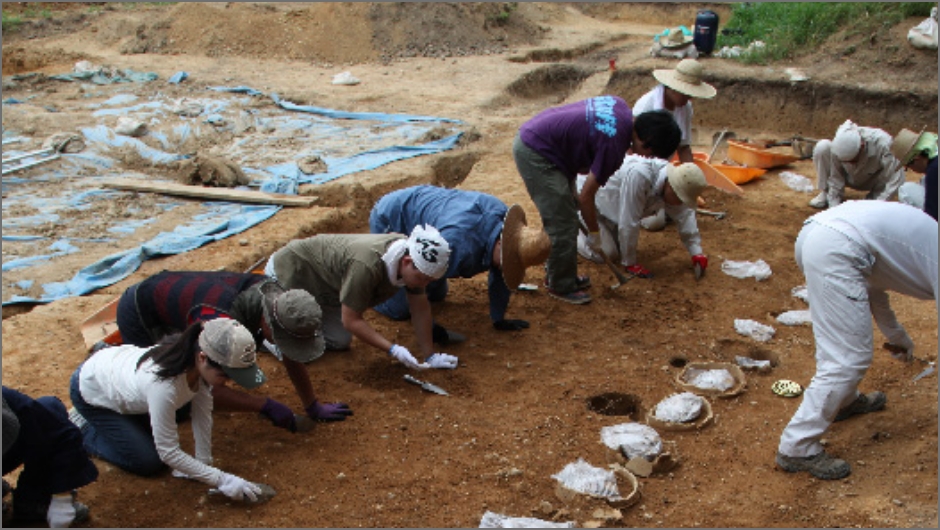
295,319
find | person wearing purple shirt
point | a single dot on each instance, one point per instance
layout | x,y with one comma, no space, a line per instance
590,136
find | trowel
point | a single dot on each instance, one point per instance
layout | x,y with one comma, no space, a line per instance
426,386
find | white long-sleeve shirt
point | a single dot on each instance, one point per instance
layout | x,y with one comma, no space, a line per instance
902,241
876,168
110,379
635,191
654,100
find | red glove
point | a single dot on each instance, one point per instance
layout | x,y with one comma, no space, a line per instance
639,271
701,261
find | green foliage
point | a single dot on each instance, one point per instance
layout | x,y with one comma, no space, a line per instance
787,28
11,22
506,9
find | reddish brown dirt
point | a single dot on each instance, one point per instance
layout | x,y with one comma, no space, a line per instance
518,407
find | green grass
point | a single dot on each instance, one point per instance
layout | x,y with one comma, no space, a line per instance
11,22
788,28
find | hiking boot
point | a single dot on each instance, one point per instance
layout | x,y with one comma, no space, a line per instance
820,201
443,336
863,404
76,417
821,466
583,283
575,297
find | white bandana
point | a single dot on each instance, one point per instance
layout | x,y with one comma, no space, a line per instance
392,259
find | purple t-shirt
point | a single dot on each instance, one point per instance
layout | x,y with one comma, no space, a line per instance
591,135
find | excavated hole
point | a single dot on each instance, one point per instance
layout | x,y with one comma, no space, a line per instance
678,361
615,404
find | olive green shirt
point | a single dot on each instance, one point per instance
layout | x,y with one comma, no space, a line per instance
338,269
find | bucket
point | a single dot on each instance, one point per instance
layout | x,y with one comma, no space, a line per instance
706,31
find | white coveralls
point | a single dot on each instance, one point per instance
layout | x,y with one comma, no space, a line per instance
851,256
878,172
655,100
635,191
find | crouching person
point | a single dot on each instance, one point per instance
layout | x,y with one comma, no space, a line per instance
38,436
127,399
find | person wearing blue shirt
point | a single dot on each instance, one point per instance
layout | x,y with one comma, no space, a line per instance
473,224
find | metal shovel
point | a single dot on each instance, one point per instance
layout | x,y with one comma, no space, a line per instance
426,386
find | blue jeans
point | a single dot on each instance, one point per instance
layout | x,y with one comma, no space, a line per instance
125,440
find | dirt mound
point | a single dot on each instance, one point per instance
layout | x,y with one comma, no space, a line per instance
342,32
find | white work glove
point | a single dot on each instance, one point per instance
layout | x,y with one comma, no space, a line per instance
901,349
61,511
405,357
594,242
238,488
441,360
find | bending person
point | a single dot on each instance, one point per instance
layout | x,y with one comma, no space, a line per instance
639,187
349,273
286,322
852,256
127,398
484,236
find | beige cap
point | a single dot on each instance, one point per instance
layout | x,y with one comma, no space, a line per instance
688,181
232,346
903,145
687,78
295,319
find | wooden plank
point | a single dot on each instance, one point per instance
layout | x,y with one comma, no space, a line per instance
220,194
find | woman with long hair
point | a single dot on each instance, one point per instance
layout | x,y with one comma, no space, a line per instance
127,398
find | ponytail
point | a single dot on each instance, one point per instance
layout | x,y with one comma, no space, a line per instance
176,353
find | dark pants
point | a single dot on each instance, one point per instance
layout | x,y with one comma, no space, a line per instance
125,440
49,447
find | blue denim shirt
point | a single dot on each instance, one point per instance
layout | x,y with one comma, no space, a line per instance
470,221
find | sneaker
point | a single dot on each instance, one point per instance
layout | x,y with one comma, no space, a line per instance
821,466
863,404
443,336
576,297
76,417
820,201
583,283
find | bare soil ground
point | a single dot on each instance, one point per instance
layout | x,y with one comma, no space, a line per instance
518,410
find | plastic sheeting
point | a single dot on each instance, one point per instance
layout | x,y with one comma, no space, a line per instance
268,143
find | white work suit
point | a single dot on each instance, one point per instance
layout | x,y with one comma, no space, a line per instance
878,172
656,100
635,191
851,256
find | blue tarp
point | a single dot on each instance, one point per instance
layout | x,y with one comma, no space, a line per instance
344,147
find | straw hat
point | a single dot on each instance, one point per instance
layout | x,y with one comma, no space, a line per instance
687,78
688,181
676,38
903,145
522,247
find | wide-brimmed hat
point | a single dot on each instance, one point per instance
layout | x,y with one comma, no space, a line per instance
522,247
675,37
231,345
295,319
688,181
903,145
687,78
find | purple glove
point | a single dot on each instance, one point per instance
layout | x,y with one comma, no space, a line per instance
280,415
328,411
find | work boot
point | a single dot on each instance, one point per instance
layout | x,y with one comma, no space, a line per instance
863,404
820,201
576,297
821,466
442,336
583,283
